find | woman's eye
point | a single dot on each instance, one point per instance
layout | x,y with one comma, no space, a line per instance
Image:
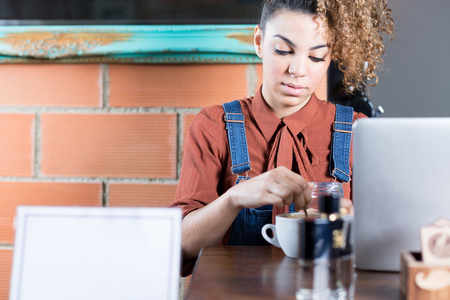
282,52
316,59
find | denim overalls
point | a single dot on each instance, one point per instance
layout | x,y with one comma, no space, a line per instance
246,229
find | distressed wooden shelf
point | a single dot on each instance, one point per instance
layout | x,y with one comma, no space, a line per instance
128,44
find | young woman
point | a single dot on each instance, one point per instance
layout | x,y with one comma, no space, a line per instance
288,130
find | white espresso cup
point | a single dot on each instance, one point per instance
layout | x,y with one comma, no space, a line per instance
286,232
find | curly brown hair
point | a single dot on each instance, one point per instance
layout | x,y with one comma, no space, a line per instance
357,32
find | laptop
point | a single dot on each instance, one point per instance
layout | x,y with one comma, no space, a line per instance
401,180
96,253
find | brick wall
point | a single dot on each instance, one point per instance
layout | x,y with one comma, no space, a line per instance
100,134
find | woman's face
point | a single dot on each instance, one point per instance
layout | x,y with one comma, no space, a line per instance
295,54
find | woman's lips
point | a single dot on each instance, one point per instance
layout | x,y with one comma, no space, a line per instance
293,89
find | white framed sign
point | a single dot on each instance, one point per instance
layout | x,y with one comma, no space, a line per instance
96,253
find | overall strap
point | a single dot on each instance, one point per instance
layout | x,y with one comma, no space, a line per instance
340,144
237,140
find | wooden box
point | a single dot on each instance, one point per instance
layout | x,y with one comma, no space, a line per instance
424,282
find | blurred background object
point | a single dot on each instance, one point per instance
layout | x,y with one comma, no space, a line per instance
66,12
359,100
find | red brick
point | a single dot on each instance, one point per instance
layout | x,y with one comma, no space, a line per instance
6,256
51,85
141,195
321,91
16,144
178,85
109,145
14,194
259,78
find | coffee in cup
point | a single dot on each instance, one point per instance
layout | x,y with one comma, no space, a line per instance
285,232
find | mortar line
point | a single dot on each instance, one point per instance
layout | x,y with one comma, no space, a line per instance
37,146
88,180
105,194
180,141
105,86
6,247
252,79
95,110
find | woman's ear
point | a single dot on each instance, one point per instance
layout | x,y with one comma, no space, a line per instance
257,40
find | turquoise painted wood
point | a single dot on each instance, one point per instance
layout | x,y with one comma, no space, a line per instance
130,44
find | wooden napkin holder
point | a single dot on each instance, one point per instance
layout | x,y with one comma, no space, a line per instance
420,281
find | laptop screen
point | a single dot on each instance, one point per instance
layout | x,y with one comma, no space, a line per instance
400,179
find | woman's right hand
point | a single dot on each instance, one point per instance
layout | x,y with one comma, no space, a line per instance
278,187
206,226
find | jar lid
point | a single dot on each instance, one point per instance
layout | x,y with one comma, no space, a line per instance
329,203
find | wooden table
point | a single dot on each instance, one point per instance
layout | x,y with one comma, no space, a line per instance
266,273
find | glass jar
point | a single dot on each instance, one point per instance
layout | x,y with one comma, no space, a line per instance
326,262
323,187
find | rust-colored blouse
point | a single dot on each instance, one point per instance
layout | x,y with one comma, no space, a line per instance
303,138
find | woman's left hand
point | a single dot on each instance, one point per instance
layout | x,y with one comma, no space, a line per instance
346,206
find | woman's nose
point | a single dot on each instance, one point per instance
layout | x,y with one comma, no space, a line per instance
297,68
